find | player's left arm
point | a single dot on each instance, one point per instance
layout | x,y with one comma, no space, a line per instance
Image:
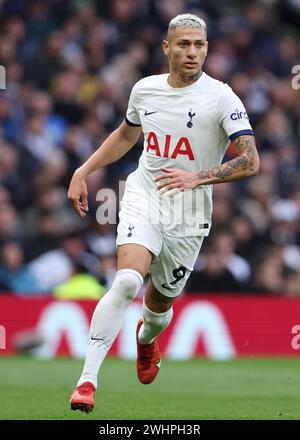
246,164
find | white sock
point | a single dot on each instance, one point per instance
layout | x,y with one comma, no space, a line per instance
153,324
107,321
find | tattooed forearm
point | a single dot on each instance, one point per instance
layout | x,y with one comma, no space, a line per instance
245,146
244,165
219,172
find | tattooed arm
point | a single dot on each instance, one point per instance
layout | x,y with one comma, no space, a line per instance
246,164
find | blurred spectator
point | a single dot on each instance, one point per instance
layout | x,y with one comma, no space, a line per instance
9,226
55,266
211,274
268,276
224,244
292,283
14,276
80,285
246,240
48,61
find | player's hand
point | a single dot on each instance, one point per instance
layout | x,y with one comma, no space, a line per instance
77,194
176,178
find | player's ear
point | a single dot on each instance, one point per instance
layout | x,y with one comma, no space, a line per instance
206,47
165,47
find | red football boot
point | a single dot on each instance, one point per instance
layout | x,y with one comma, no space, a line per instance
83,397
148,359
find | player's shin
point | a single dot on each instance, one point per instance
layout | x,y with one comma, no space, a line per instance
153,324
107,320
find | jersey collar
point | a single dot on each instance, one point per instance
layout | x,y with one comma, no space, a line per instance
186,89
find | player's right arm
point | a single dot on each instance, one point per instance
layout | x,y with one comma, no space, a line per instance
113,148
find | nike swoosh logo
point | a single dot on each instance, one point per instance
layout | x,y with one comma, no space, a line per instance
158,364
166,287
149,113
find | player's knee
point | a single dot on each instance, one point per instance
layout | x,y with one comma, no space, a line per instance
126,286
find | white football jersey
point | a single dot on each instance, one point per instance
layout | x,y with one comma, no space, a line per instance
188,128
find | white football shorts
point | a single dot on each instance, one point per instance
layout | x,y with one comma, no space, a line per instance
174,257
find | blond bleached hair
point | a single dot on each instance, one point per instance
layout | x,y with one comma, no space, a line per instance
187,21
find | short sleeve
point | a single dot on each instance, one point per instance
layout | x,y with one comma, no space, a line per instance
232,115
132,116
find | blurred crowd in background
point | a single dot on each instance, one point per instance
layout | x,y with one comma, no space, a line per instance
70,66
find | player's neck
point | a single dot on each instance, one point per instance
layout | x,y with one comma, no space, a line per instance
178,80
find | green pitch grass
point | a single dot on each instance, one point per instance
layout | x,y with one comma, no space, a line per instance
196,389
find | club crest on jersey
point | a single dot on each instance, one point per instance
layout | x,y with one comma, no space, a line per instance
190,115
130,228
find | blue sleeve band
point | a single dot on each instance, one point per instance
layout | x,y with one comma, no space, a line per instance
131,123
240,133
